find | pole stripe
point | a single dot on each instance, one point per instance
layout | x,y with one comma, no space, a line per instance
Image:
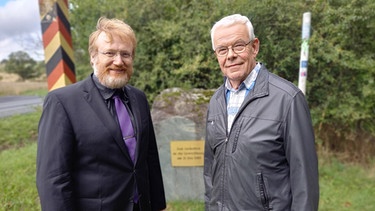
57,78
54,28
55,60
63,7
57,41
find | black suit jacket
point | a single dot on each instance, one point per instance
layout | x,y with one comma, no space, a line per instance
82,160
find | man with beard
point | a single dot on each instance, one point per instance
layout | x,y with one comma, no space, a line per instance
96,144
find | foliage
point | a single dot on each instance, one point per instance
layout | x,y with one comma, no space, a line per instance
341,69
174,49
22,64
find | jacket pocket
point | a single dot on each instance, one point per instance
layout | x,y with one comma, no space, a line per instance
263,194
215,136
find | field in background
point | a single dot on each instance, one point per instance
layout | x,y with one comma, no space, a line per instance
10,84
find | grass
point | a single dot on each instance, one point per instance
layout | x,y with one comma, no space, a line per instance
346,187
17,179
18,130
185,206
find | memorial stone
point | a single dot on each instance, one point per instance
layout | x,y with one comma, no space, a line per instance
180,115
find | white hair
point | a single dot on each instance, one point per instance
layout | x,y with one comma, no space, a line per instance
232,20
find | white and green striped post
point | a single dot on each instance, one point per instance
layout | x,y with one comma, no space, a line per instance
306,25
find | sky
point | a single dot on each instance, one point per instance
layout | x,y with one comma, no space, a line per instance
20,28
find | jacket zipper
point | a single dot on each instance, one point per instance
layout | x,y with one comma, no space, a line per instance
224,175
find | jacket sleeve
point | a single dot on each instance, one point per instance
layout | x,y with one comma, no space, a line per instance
301,155
157,193
207,174
54,157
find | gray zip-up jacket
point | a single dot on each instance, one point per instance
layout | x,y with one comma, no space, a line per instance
268,160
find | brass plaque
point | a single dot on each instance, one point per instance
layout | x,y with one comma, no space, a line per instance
187,153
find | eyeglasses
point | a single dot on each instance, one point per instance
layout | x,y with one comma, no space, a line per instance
113,54
237,48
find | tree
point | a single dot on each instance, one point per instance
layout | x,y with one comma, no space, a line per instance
174,49
22,64
341,73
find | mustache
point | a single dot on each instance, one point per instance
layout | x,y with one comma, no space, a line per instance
120,67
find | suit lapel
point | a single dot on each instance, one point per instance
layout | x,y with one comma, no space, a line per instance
135,109
96,102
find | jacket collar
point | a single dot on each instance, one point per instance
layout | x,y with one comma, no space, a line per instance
260,89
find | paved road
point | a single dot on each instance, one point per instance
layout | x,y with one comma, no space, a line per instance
11,105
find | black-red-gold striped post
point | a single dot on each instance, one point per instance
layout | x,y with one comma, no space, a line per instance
57,41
